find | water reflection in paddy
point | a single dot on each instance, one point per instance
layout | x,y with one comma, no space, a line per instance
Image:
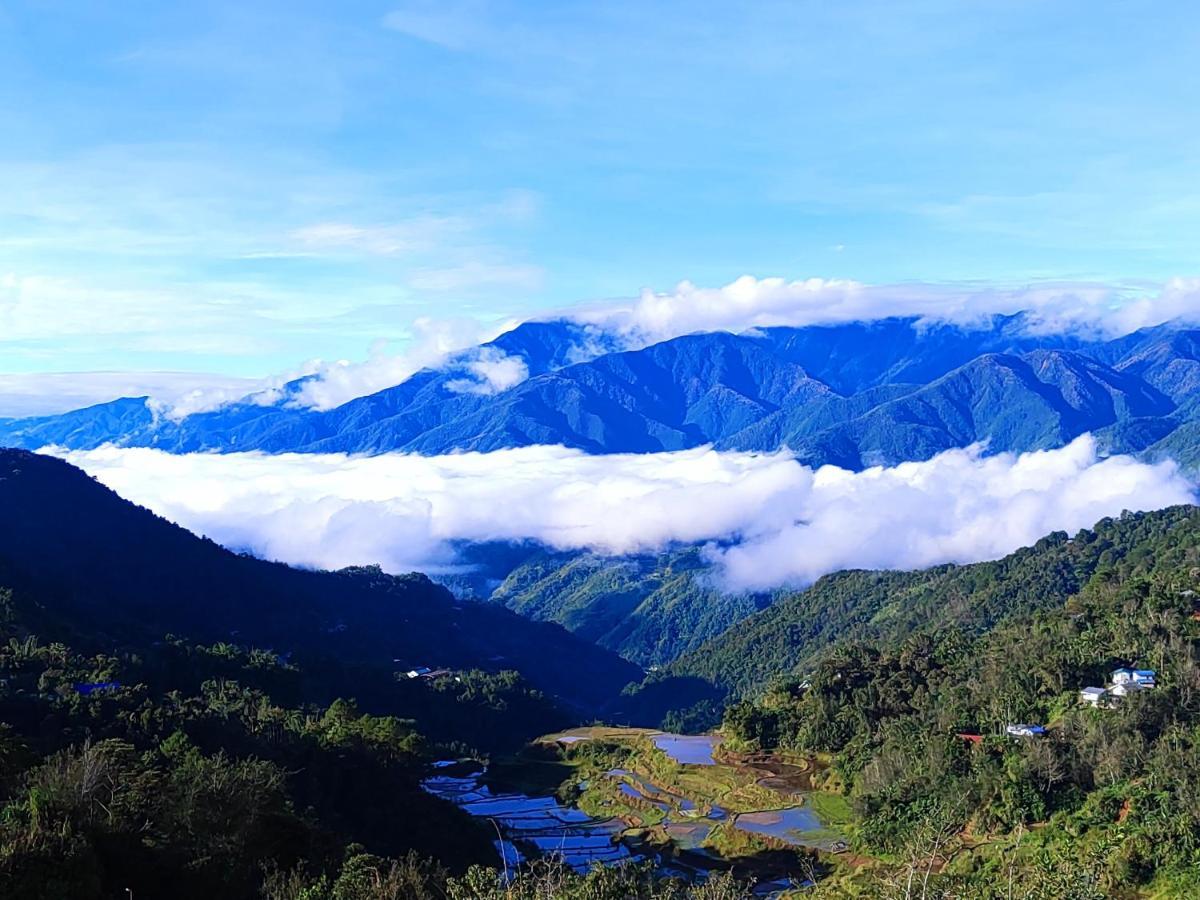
532,826
539,823
788,825
688,749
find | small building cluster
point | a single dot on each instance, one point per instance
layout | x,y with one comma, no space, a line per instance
426,672
1124,682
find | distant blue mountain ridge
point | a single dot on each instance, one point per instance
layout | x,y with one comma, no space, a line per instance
853,395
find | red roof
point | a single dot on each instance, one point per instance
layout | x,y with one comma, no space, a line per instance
972,738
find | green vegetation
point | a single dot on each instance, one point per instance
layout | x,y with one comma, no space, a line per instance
208,765
886,607
649,609
99,572
370,878
1105,804
192,771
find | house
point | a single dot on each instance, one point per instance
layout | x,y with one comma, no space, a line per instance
1024,730
1144,677
974,739
1125,688
1094,696
1140,677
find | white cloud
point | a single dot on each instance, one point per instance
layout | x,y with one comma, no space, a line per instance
958,507
749,302
257,392
787,523
491,371
433,343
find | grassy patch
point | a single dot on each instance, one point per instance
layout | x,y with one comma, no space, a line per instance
731,842
832,809
604,799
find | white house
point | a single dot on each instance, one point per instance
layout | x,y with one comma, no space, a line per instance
1125,688
1024,730
1094,696
1140,677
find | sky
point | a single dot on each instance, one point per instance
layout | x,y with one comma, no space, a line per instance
237,189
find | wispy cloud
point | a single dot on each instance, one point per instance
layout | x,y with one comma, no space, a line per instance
451,25
419,235
787,523
1097,309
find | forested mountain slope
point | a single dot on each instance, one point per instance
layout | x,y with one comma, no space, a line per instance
977,768
649,609
888,607
89,556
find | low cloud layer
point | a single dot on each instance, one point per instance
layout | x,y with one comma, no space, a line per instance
777,522
1094,309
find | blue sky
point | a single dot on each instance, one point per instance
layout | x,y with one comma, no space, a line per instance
235,188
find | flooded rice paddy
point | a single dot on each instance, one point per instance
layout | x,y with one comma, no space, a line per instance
792,825
688,749
531,826
650,820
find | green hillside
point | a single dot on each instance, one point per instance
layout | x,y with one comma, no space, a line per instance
649,609
887,607
1104,803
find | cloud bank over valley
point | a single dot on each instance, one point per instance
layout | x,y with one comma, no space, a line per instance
768,520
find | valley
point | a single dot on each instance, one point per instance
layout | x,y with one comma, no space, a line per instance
854,735
487,450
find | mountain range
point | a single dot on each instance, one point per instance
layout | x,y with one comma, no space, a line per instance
852,395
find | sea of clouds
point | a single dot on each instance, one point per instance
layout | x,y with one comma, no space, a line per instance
768,520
